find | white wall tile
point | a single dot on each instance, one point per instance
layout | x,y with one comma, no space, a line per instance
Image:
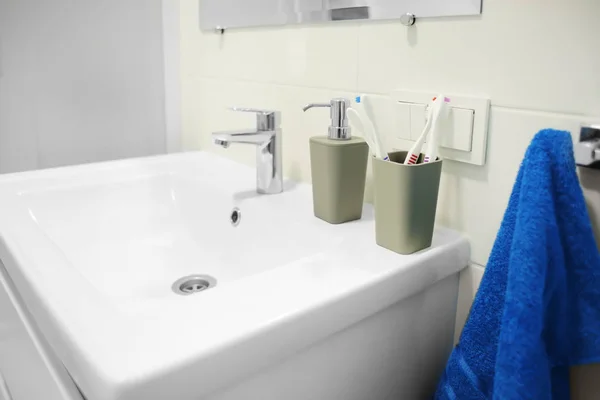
321,56
536,54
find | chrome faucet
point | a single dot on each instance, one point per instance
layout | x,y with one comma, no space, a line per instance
267,139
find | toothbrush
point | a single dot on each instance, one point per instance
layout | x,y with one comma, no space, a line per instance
413,154
367,119
436,109
357,121
441,116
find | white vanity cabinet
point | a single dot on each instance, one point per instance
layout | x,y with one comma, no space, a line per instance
24,374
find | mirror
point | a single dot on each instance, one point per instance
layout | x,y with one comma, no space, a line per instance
225,14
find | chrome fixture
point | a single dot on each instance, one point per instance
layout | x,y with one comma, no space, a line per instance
267,139
193,284
408,19
339,128
587,150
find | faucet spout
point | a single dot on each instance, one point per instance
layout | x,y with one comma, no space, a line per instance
267,139
248,137
220,142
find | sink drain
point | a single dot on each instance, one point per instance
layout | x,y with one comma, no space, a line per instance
193,284
235,217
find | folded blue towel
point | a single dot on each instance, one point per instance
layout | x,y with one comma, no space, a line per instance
537,311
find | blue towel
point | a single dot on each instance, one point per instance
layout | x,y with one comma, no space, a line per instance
537,311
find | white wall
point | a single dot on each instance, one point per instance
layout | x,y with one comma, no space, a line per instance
538,61
81,81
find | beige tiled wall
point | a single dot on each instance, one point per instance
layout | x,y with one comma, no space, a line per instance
537,60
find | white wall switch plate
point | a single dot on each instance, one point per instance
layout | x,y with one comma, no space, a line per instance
391,120
418,116
466,140
460,130
403,128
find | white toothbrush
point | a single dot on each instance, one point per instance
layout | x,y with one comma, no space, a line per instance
365,112
413,154
440,117
357,121
437,109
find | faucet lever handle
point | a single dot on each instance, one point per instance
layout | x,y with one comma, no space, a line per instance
251,110
266,120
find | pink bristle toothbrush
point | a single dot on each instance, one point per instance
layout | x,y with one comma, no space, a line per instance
431,154
415,151
433,114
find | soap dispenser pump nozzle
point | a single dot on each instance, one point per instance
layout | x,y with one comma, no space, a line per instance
339,128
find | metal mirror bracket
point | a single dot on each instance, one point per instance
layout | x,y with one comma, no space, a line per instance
408,19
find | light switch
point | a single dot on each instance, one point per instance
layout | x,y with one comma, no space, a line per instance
465,139
390,118
417,120
402,129
459,133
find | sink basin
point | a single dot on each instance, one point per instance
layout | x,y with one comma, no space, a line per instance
94,251
129,238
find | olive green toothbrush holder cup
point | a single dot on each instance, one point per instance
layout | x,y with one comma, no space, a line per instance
405,202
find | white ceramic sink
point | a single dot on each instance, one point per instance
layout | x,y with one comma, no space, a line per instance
93,251
128,238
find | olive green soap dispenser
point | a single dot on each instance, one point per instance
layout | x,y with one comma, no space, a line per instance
339,168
